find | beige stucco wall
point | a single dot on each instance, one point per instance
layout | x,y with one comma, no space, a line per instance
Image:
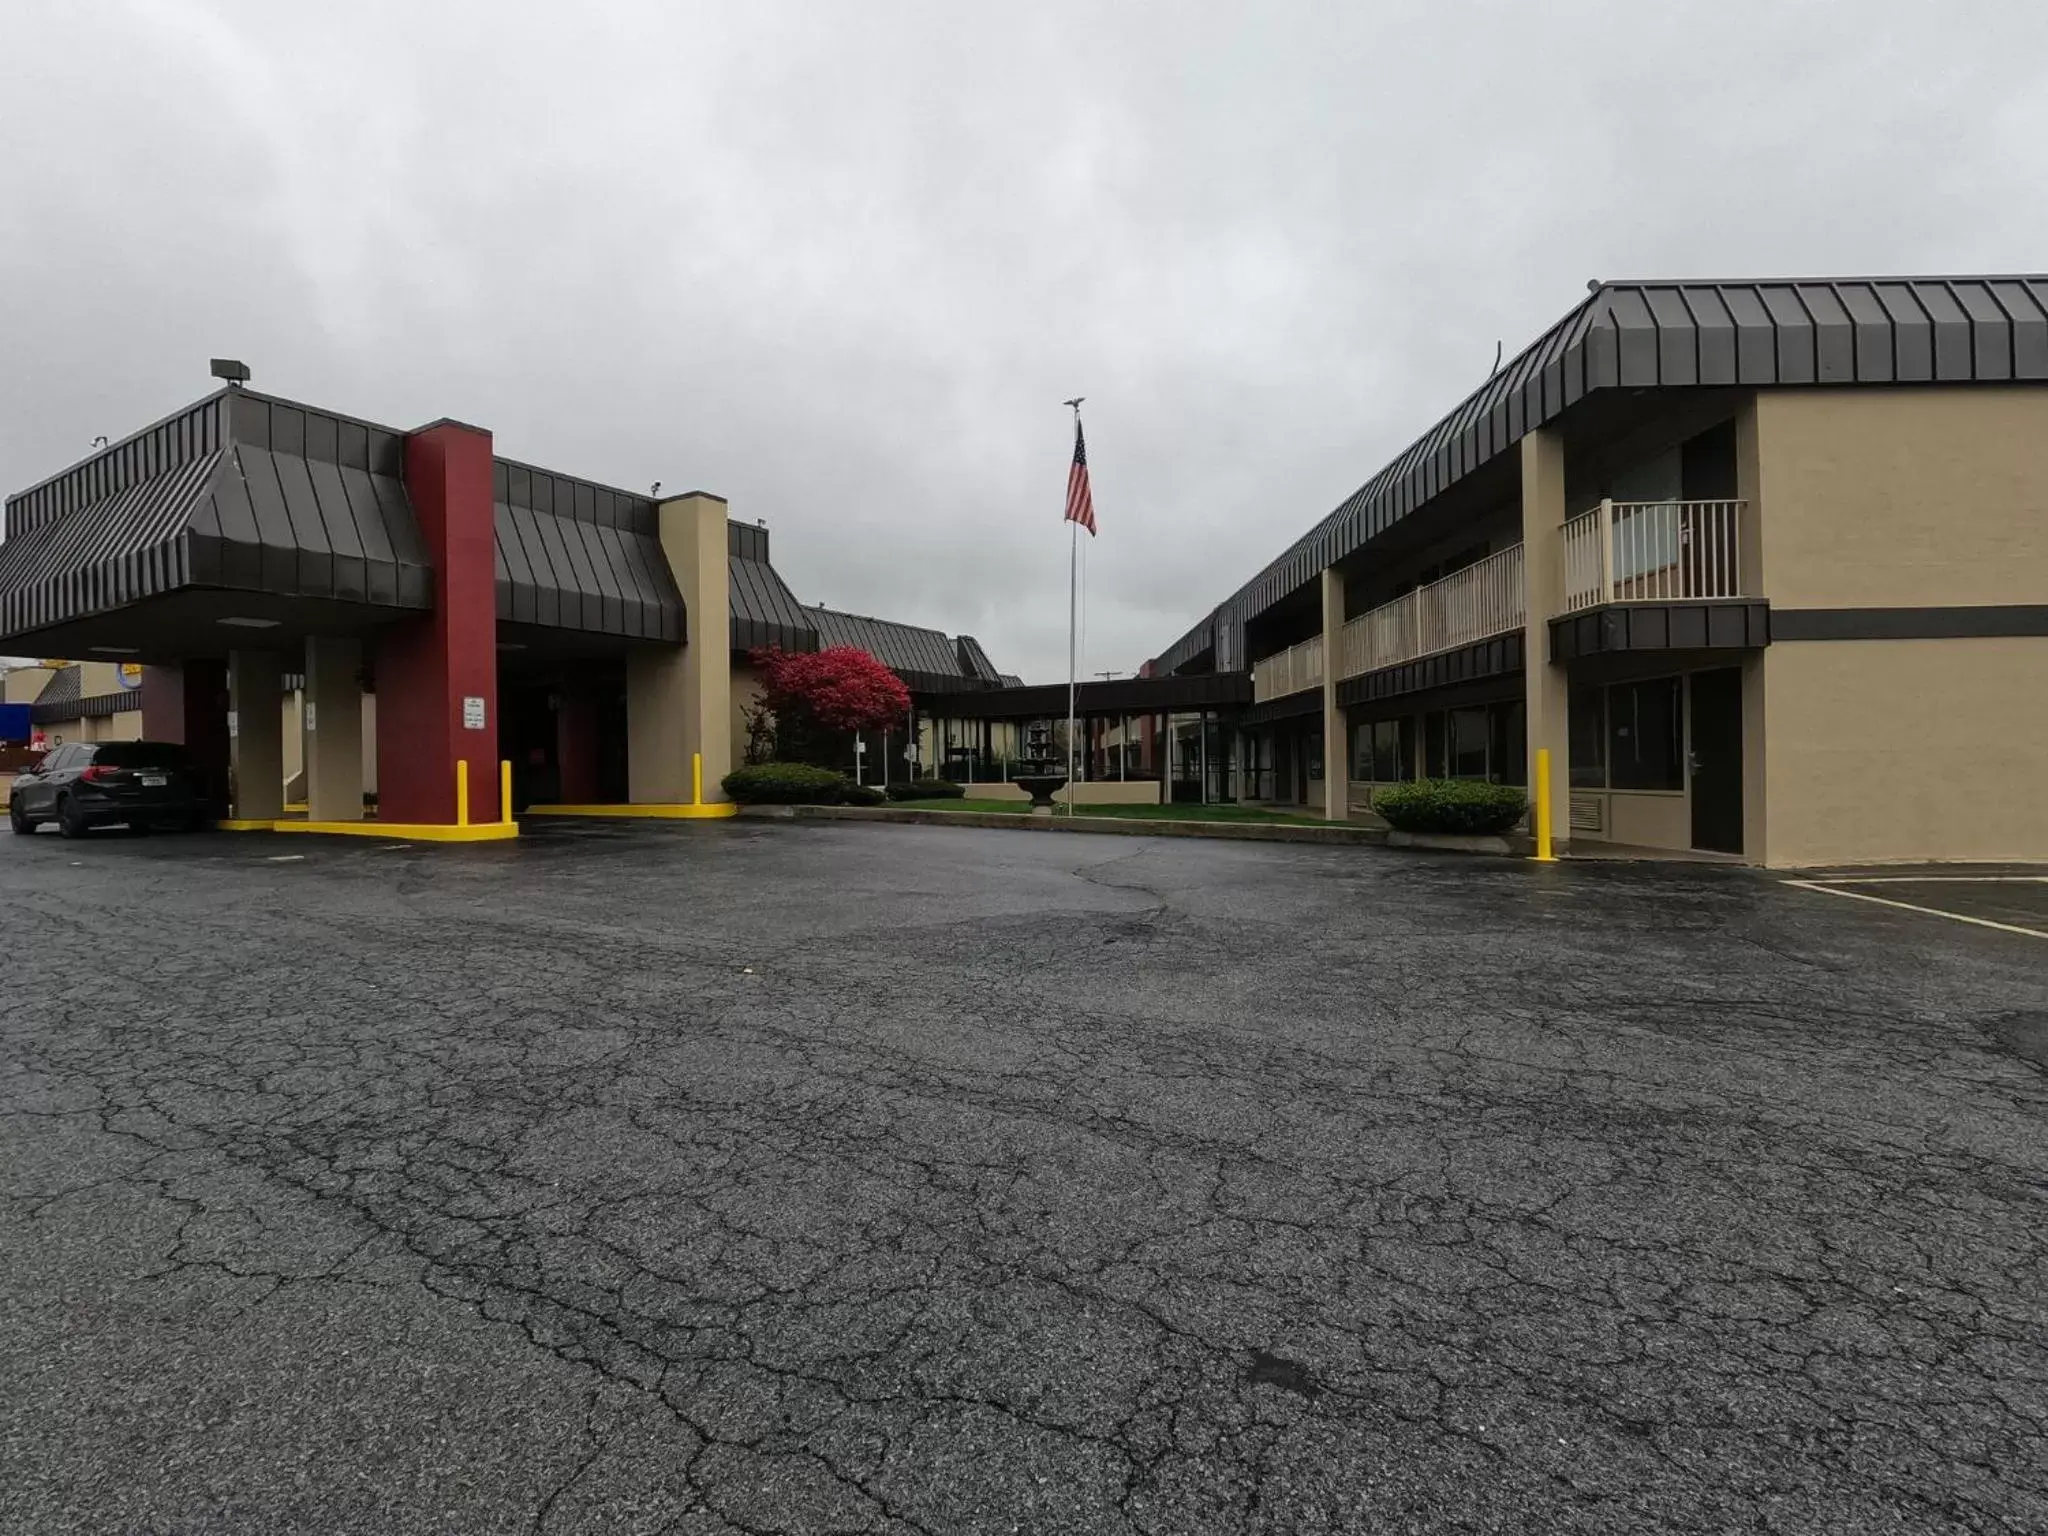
1877,498
22,684
1646,819
1906,750
1100,792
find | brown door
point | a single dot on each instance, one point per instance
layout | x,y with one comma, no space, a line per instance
1717,760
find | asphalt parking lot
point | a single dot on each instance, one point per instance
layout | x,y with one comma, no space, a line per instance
849,1178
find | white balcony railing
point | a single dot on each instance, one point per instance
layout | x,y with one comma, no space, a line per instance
1652,552
1292,670
1476,603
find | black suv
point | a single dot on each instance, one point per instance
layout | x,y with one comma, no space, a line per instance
86,784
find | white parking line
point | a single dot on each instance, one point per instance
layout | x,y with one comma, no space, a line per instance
1925,880
1907,906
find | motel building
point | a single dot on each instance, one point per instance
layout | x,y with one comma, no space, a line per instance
1761,567
343,623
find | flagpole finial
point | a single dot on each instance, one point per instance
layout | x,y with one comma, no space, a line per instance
1075,403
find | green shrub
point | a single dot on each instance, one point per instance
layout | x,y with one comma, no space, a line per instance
926,789
865,794
786,784
1471,807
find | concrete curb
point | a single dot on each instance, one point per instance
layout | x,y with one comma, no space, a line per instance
1118,826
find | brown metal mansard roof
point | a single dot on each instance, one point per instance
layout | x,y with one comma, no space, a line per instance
1654,335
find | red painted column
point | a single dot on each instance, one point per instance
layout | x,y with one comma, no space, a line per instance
576,725
427,667
188,702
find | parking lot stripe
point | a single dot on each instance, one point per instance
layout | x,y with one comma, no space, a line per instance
1907,906
1926,880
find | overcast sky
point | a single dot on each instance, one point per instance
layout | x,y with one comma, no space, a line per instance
841,261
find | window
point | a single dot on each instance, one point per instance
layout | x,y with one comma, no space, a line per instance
1646,735
1384,751
1433,745
1589,738
1510,749
142,754
1469,735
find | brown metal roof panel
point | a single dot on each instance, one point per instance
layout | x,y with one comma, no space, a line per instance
611,590
366,518
1870,331
1953,356
1635,338
1834,338
510,568
1990,331
543,551
1792,329
1678,356
1912,332
2028,317
1713,335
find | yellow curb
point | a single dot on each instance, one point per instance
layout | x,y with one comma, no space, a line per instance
403,831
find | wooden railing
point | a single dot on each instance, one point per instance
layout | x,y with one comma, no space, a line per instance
1652,552
1480,601
1292,670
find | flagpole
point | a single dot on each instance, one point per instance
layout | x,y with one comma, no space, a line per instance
1073,566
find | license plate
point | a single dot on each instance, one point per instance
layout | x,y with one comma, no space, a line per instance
154,781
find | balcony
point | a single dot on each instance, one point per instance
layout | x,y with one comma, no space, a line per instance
1652,552
1480,601
1291,671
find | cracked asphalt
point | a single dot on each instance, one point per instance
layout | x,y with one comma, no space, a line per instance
859,1178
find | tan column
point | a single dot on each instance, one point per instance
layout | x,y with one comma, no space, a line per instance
1336,749
256,695
334,729
679,702
1750,559
1547,690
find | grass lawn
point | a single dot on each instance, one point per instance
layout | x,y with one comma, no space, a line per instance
1136,812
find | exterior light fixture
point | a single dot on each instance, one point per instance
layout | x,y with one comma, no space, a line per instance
249,623
111,650
233,370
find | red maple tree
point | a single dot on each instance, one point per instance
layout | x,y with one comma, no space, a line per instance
812,694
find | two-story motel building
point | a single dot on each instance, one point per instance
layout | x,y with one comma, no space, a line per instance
1762,565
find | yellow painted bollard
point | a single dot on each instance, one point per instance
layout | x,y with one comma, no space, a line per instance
1543,853
462,791
696,778
505,790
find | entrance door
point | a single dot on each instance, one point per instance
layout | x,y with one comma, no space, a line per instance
1717,760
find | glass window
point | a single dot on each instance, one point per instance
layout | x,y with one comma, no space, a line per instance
1589,738
1314,749
1469,733
1646,735
1362,738
1433,745
1393,750
142,754
1510,743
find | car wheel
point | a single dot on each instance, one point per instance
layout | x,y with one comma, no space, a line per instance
17,818
70,819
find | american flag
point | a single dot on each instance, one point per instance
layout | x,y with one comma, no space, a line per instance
1080,501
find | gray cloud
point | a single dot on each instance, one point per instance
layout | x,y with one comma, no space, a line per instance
841,263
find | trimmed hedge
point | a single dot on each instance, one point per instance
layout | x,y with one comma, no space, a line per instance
926,789
1469,807
785,784
865,794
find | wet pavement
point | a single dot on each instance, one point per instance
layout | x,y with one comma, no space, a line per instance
847,1178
